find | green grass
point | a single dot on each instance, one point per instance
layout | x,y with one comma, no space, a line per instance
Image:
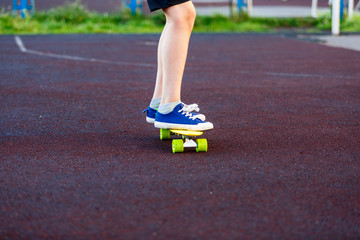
75,18
347,25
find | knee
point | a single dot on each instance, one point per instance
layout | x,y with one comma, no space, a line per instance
182,16
190,16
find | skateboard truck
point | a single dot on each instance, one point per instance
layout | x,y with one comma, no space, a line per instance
187,140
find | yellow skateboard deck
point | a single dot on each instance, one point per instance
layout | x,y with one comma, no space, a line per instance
187,132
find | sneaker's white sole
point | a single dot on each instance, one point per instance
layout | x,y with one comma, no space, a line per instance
198,127
150,120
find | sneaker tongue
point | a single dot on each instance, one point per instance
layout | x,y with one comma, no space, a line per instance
179,106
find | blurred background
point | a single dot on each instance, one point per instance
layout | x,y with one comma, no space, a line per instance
133,16
265,8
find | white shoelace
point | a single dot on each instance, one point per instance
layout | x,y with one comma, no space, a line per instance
187,109
191,107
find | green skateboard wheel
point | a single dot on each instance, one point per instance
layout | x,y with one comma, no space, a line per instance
201,145
177,145
164,134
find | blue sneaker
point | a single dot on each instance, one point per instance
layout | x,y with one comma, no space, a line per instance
150,112
181,118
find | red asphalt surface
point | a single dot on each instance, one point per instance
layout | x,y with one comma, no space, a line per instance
78,160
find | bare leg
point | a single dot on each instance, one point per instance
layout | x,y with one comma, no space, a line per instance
172,51
159,75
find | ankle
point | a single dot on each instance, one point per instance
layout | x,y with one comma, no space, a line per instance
168,107
155,103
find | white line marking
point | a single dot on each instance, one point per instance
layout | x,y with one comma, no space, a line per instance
308,75
20,44
22,48
148,43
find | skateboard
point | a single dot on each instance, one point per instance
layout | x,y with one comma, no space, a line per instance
188,140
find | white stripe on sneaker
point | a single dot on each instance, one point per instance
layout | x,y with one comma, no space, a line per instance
150,120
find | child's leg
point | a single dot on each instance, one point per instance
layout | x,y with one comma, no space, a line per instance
173,48
159,75
172,51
